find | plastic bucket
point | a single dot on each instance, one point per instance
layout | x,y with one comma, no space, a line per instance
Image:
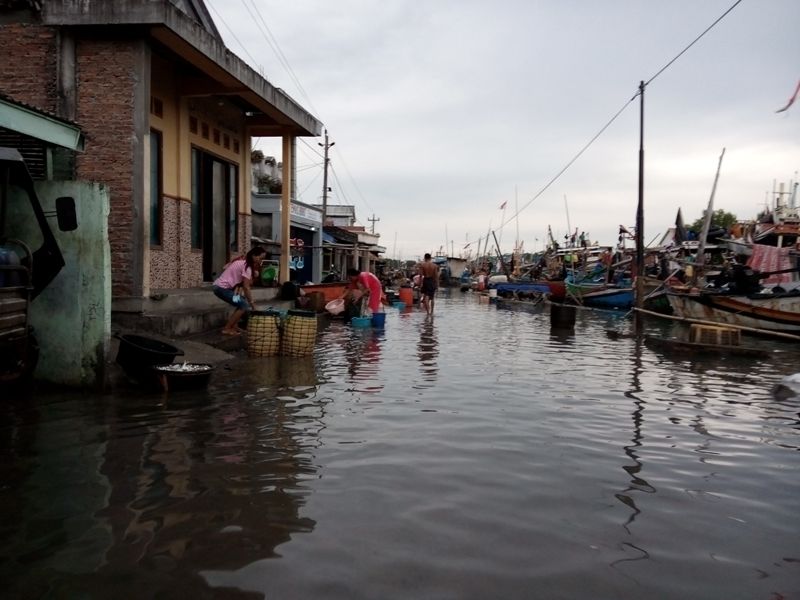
379,319
493,293
399,305
406,296
361,321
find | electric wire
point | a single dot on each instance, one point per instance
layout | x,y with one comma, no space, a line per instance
352,180
238,41
614,118
272,42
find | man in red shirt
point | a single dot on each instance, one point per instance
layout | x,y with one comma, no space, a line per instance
369,284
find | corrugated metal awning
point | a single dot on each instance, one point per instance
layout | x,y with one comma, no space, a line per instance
29,121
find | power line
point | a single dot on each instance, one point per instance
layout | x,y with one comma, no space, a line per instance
238,41
569,164
273,43
353,181
614,118
310,147
305,189
677,56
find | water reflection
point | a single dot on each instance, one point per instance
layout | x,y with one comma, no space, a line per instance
286,372
167,486
427,353
363,355
197,494
634,470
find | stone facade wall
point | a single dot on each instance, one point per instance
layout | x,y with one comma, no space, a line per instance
164,259
175,264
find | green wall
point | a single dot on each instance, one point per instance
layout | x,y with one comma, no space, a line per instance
72,316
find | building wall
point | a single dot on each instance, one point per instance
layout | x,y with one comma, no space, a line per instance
108,73
212,125
115,81
72,316
35,84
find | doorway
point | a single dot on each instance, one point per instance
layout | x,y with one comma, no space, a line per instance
215,202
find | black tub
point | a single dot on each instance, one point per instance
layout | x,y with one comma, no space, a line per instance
137,354
188,376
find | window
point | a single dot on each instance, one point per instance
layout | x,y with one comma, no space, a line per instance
156,198
156,107
197,215
233,212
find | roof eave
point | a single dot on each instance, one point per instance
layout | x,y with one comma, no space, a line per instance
194,43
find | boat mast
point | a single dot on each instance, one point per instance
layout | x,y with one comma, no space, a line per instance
701,248
566,208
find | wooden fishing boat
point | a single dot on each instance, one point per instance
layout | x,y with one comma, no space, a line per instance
619,298
330,291
556,290
774,309
683,346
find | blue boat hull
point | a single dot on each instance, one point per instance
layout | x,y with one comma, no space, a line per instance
619,298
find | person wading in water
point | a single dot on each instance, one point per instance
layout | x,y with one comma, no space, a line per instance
429,273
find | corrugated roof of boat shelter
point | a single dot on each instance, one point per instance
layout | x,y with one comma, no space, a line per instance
271,112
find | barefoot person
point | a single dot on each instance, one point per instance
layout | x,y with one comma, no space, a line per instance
429,274
233,286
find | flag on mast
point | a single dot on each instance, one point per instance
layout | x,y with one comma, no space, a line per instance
791,100
503,205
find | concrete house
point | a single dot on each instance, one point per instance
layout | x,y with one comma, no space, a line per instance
167,113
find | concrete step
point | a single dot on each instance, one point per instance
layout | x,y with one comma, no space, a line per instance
182,323
185,313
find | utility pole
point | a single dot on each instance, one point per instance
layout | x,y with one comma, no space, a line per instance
326,146
373,220
639,289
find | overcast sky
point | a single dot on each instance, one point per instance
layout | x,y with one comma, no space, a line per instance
443,110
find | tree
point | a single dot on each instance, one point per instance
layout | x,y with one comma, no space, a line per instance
269,184
719,218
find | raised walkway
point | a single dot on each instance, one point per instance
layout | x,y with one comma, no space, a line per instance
185,316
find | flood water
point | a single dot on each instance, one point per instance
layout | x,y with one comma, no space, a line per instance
480,454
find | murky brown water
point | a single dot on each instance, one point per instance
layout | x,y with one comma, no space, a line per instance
479,455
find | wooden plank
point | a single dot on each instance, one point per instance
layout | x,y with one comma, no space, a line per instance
780,334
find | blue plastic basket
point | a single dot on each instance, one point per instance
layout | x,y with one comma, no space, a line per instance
361,321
